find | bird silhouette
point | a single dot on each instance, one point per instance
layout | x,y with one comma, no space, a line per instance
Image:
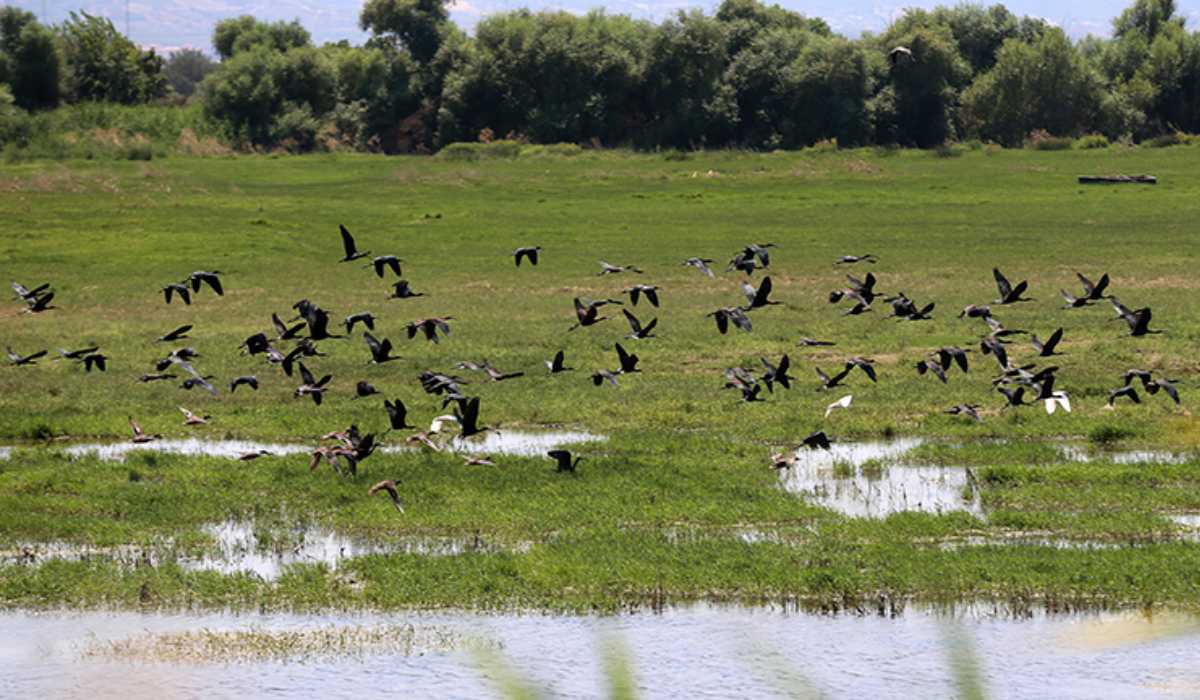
701,264
637,290
23,360
397,414
637,331
530,253
178,334
563,462
1008,293
352,252
382,262
402,290
556,365
381,350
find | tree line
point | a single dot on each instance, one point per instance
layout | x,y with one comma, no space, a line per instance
750,75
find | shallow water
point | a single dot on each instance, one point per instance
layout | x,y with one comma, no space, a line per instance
237,548
191,447
862,480
695,652
519,443
1081,453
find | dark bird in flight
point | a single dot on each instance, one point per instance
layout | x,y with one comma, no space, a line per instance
556,365
19,360
365,318
1074,302
429,327
931,365
1139,320
467,413
637,290
352,252
530,253
758,298
383,262
147,378
828,382
603,375
563,461
743,263
1047,348
381,350
496,375
248,380
1127,392
1094,292
976,311
76,354
813,342
1008,293
401,290
953,354
397,414
587,314
776,374
637,331
608,269
364,389
1013,398
865,364
628,360
96,360
964,409
178,334
760,251
179,290
212,279
312,387
256,344
28,295
818,440
1165,385
731,314
701,264
852,259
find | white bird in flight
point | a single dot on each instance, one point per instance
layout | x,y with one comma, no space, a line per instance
843,402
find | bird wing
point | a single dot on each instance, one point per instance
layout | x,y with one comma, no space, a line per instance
1100,286
749,291
306,375
347,241
137,429
764,291
214,282
1053,341
722,320
634,324
741,320
372,343
558,360
1001,283
1088,287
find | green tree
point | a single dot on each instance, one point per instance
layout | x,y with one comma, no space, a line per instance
1046,85
30,60
918,104
104,64
186,68
686,59
237,34
418,26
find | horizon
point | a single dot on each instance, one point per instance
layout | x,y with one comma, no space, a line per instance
170,25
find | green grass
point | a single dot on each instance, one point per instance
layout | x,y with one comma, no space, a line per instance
682,455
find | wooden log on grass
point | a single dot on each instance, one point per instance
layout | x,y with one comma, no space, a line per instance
1117,180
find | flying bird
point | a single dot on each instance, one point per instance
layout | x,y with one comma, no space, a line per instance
734,315
381,350
563,461
178,334
530,253
352,252
402,290
397,414
650,291
383,262
608,269
637,331
19,360
389,487
249,380
1008,293
138,435
843,403
700,264
556,365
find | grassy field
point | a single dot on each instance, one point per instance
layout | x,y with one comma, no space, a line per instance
681,455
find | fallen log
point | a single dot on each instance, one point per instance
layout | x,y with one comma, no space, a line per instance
1117,179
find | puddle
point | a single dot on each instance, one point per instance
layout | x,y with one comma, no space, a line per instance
192,447
508,442
1191,520
1080,453
516,443
238,548
700,651
1059,542
862,480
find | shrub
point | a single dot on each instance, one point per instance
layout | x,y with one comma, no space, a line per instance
1109,434
477,151
1091,141
1042,140
552,149
948,150
1171,138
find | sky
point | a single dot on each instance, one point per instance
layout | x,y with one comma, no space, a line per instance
172,24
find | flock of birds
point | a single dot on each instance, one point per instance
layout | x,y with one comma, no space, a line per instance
1020,384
